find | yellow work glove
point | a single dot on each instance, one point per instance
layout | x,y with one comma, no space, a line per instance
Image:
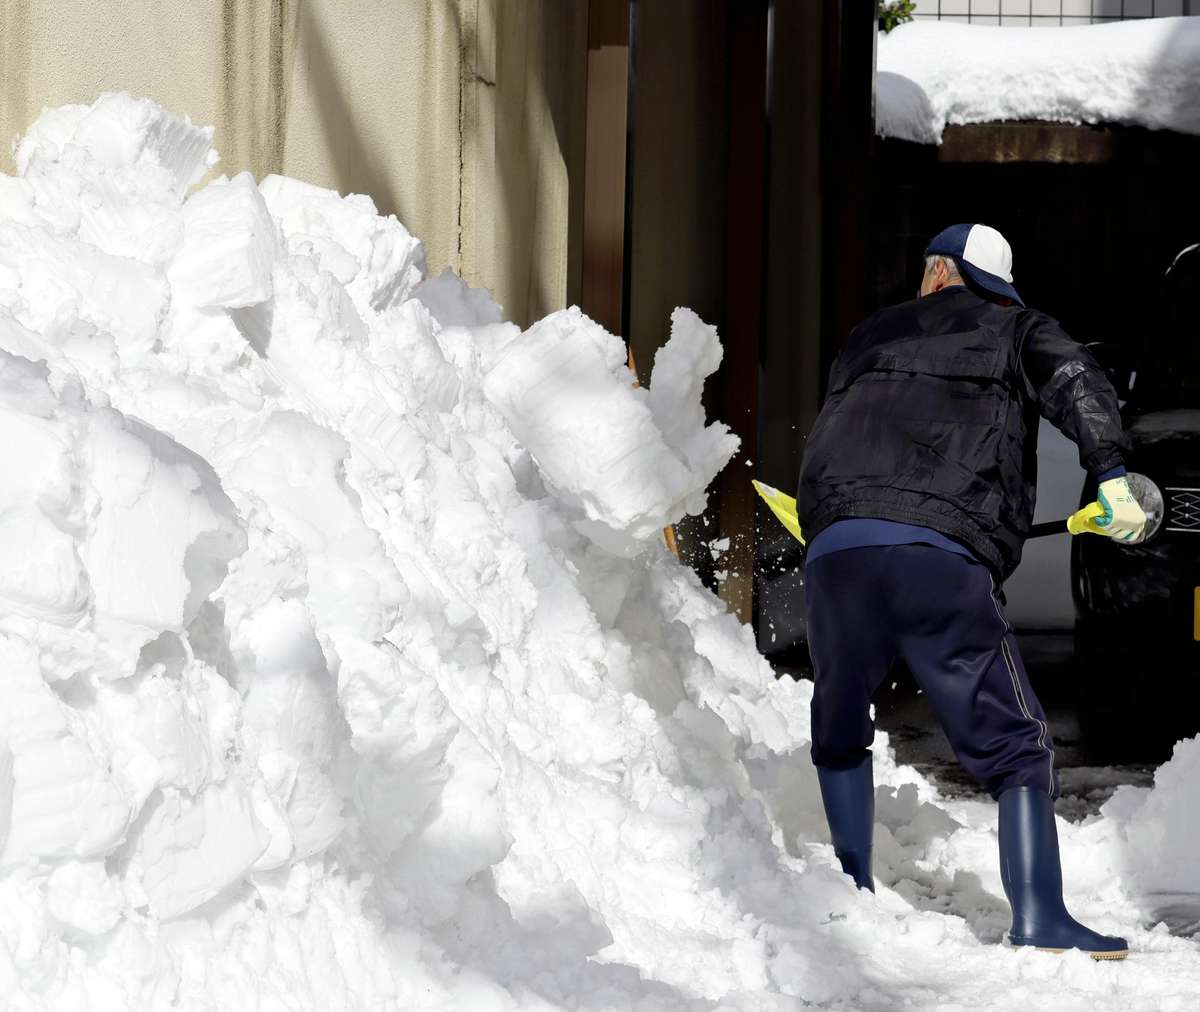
1123,517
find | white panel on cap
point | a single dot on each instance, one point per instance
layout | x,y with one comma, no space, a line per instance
988,250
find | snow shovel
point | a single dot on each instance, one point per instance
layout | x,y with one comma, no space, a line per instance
783,506
1081,521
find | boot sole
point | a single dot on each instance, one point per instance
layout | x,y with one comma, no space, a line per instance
1098,956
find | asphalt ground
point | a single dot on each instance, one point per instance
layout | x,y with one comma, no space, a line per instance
1090,767
1088,771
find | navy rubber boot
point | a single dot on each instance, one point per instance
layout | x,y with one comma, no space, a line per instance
1032,875
849,797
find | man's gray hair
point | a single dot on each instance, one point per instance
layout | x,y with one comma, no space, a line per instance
951,266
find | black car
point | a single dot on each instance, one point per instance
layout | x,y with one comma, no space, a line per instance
1138,608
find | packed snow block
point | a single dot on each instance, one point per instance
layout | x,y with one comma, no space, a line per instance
568,397
298,466
403,725
48,280
464,836
210,343
170,722
124,136
65,802
418,369
69,343
1142,72
41,575
193,848
690,356
17,199
312,336
377,258
1158,828
230,245
113,173
163,533
81,897
454,303
292,722
6,792
119,213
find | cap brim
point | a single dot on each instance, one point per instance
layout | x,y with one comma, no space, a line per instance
989,282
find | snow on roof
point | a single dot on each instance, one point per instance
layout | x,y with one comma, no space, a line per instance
932,74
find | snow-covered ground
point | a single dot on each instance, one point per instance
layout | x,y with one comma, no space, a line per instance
345,667
930,74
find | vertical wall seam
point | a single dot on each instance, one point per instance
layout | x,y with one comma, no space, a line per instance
277,96
463,76
228,85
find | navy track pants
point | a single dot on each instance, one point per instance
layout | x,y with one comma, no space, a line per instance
941,613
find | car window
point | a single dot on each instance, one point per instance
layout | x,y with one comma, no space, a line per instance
1170,376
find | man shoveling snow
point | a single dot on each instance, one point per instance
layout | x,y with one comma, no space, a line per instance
917,493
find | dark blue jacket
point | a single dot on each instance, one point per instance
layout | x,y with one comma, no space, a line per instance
931,418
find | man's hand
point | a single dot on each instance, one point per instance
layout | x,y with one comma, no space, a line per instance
1123,517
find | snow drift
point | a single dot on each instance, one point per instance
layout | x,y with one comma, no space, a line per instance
345,667
930,74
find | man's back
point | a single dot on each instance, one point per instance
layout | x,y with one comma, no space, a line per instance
931,417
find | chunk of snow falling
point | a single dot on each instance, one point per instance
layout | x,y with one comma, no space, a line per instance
345,668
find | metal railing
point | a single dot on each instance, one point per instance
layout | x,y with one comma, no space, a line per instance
1050,13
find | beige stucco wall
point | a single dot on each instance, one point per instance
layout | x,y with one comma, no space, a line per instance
462,117
539,132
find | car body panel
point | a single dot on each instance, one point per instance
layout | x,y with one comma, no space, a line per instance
1142,599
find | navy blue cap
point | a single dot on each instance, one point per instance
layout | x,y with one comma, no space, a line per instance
982,254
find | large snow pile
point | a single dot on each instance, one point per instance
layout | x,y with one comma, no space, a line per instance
933,73
344,666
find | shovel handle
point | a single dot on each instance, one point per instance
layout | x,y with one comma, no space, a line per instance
1078,522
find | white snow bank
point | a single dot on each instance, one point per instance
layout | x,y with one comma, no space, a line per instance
345,667
929,74
1160,831
569,397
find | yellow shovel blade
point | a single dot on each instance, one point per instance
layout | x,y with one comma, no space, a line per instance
783,506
